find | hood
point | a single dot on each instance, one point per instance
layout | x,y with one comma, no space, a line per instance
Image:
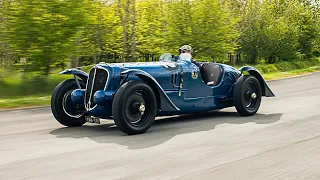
159,66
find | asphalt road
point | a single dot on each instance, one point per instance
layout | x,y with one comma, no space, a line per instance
281,142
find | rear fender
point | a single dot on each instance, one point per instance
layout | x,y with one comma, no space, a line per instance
266,91
165,103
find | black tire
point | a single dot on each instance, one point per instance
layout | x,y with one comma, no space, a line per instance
60,108
126,107
246,103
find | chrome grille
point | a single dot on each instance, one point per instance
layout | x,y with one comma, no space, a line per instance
97,81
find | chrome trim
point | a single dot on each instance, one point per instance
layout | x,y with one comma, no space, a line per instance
64,109
85,93
94,78
142,109
75,77
88,104
99,67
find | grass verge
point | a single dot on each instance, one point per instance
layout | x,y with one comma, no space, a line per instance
288,74
24,102
269,72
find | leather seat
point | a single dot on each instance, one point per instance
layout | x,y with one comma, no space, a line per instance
211,73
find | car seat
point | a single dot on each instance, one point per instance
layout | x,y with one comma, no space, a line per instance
211,73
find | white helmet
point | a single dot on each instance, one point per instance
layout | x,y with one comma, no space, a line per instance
185,49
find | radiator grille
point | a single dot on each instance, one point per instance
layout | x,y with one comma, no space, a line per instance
97,81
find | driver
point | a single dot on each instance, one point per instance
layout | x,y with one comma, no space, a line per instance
186,51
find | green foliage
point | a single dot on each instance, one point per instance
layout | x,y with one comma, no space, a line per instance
278,30
102,34
151,27
213,29
44,32
23,102
287,66
40,35
36,36
29,84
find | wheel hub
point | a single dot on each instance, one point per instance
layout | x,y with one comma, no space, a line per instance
247,95
253,95
250,96
142,109
135,108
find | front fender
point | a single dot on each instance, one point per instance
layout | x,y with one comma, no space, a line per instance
165,103
81,74
266,91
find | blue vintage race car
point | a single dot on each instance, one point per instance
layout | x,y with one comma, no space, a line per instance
133,94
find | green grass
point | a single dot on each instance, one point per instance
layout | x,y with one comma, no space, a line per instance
279,75
21,102
15,93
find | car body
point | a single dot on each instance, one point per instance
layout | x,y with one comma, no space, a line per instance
175,86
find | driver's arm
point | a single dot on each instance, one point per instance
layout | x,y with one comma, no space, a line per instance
196,63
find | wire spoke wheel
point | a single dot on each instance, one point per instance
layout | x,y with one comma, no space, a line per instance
70,108
63,108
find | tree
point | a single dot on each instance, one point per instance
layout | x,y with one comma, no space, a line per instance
49,33
44,31
123,13
213,29
5,51
102,36
272,30
178,25
150,28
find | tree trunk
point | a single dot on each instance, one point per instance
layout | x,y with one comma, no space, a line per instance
133,35
95,58
271,59
63,66
75,62
47,70
232,59
124,23
253,55
238,59
99,39
23,61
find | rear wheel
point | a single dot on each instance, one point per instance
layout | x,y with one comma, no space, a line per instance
134,107
63,108
247,96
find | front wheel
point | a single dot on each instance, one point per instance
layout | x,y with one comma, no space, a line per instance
63,108
134,107
247,96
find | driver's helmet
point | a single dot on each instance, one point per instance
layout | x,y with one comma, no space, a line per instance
185,49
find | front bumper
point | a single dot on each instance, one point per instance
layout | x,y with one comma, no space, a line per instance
100,98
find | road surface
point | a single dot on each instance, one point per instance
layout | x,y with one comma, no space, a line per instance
281,142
